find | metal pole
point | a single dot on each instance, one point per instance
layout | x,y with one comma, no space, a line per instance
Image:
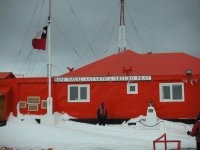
122,39
122,19
49,99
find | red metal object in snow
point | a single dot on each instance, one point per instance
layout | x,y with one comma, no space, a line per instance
165,141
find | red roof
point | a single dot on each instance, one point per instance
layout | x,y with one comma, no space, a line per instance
141,64
6,75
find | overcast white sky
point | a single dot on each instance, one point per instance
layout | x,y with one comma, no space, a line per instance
151,25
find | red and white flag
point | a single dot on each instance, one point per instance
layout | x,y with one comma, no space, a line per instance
40,42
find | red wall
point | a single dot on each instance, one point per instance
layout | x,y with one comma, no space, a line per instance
33,89
113,94
123,105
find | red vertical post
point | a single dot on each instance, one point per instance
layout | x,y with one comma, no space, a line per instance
154,145
165,141
179,145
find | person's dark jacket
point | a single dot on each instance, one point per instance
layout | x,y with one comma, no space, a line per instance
195,131
102,112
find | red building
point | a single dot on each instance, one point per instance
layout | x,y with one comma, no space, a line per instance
126,82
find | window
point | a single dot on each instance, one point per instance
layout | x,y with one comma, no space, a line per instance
132,88
22,104
44,104
32,107
33,100
79,93
171,92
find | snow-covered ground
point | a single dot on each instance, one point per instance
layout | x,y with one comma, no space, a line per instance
69,135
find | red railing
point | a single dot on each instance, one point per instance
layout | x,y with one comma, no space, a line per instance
165,141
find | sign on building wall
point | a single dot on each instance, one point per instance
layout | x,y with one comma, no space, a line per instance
102,79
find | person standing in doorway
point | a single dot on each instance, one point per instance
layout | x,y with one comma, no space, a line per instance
196,131
102,114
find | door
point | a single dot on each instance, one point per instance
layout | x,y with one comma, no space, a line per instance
2,107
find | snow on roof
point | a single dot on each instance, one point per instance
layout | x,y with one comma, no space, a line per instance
140,64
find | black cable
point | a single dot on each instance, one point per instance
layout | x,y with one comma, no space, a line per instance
37,28
27,58
40,15
112,32
29,63
66,38
135,28
108,46
73,12
26,33
43,68
58,69
129,43
100,31
147,125
34,63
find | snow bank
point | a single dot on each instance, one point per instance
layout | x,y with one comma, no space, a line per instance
71,135
62,117
25,120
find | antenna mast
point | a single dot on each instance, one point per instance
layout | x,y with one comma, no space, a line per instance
122,39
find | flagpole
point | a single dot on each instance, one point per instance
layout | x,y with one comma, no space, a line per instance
49,99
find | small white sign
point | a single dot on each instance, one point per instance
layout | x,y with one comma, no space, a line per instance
102,79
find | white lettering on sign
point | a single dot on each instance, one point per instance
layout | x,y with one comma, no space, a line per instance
102,79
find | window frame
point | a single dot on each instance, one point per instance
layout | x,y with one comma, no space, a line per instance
36,100
33,101
79,87
128,88
171,92
32,105
24,102
42,106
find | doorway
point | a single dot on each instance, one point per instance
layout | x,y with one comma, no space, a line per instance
2,107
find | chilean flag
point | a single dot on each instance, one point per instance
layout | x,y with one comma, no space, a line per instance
40,42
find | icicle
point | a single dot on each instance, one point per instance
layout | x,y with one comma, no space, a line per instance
191,82
196,80
18,111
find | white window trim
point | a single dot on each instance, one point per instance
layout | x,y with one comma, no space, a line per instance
42,104
32,105
171,100
132,84
33,97
79,85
